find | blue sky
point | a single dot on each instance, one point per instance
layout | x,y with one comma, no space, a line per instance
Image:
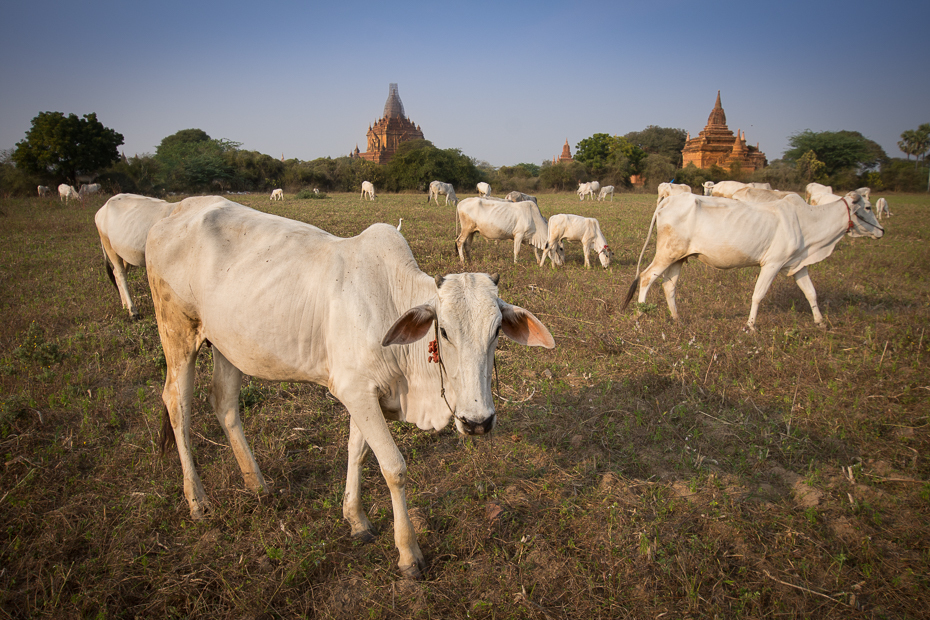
505,82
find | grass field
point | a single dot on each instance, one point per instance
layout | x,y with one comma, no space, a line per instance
641,469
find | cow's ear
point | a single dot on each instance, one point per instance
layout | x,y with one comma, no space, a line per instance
411,326
521,326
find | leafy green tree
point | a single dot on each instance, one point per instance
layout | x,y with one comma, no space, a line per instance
916,142
840,151
60,147
594,150
563,176
190,160
663,141
809,169
417,163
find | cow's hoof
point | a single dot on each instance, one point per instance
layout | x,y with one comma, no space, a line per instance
364,536
413,571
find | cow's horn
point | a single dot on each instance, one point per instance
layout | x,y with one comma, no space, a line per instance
439,281
495,278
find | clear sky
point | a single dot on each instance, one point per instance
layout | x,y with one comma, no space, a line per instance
505,82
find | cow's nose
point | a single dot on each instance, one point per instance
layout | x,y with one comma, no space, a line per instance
478,428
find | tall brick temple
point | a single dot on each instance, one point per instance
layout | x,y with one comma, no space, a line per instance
390,131
716,144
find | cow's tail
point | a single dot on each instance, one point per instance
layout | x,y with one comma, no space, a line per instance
632,291
167,432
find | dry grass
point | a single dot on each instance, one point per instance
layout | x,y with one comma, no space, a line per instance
641,469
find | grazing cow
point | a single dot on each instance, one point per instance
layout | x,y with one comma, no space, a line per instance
881,209
67,192
43,190
784,236
587,230
286,301
607,189
588,189
316,191
368,188
753,194
123,223
500,219
484,189
516,196
671,189
438,188
723,189
87,190
277,194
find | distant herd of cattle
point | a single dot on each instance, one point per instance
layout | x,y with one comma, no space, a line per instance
283,300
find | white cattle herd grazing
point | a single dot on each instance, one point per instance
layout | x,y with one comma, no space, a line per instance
283,300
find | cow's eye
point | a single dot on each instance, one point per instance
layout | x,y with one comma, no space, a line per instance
442,330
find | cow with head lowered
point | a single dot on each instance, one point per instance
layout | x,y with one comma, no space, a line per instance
123,223
501,219
785,236
283,300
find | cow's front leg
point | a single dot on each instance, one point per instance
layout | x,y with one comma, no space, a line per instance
517,240
803,279
352,509
367,415
763,283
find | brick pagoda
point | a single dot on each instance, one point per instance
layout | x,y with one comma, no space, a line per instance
716,144
391,129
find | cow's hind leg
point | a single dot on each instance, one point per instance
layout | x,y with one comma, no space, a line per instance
224,398
803,279
670,286
352,509
116,269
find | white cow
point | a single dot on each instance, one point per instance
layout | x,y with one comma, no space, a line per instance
607,189
671,189
760,185
723,189
587,189
516,196
43,190
753,194
123,223
438,188
500,219
881,209
587,230
87,190
484,189
67,192
368,188
286,301
784,236
277,194
316,191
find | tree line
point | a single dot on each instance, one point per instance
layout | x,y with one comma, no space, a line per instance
59,148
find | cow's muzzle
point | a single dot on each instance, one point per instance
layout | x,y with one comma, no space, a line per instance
476,428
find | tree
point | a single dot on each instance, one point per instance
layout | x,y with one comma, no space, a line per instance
840,151
417,163
915,142
190,160
809,169
595,150
663,141
61,147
